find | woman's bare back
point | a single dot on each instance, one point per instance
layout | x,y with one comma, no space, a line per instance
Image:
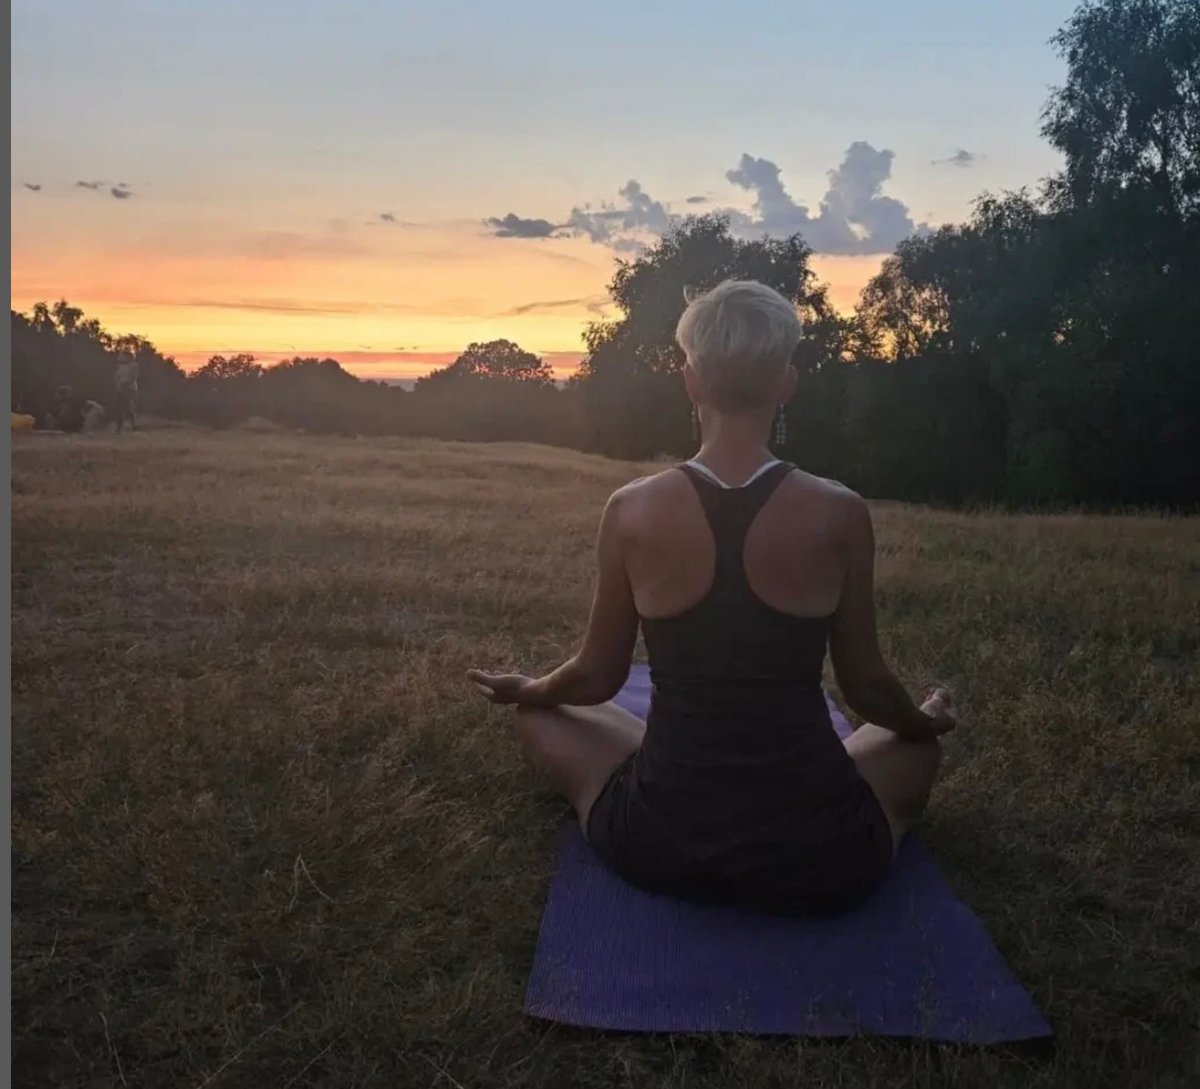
793,552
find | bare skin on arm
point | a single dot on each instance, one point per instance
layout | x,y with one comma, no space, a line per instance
565,722
897,752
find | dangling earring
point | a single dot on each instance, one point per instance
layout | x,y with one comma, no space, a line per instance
695,423
780,427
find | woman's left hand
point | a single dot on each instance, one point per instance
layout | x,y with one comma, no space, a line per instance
503,687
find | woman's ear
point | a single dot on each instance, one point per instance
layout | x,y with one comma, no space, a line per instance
691,382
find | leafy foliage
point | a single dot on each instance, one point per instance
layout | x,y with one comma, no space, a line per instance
57,346
634,402
496,359
1075,306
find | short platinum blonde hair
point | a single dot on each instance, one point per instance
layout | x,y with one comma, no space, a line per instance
739,338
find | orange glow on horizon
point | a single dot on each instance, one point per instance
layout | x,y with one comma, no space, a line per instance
386,305
379,366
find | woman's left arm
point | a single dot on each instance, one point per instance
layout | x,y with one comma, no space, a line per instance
597,672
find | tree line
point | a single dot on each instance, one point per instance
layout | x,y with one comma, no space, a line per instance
493,392
1043,352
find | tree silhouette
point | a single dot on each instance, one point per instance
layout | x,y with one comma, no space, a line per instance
1128,115
234,368
494,391
1071,310
634,401
499,360
57,346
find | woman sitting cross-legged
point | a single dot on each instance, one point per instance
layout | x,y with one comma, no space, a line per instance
741,570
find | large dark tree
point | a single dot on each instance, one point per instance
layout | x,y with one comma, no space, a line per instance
1062,324
1128,115
634,398
1127,222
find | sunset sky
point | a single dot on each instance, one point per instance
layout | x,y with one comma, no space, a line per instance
385,182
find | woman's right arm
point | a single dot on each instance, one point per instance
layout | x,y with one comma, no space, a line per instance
866,682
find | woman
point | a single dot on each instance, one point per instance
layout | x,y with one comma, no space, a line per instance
741,570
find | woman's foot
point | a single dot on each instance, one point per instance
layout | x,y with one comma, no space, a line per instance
939,705
937,699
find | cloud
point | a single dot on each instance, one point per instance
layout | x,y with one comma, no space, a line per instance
622,227
121,190
270,306
390,219
642,212
777,212
855,217
594,304
594,225
286,306
962,158
451,307
513,226
613,225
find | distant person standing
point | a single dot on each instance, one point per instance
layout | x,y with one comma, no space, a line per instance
126,381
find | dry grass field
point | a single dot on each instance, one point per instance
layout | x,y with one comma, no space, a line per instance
265,835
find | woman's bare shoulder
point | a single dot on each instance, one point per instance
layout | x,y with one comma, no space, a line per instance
652,484
646,493
830,504
826,488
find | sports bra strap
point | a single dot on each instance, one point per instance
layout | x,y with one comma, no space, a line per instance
730,513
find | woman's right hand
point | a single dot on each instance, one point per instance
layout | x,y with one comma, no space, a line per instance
503,688
939,707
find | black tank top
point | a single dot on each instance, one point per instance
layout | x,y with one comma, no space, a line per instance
741,791
737,697
731,637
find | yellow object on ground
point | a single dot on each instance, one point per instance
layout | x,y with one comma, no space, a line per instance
21,422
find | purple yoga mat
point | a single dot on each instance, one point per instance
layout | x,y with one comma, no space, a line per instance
913,961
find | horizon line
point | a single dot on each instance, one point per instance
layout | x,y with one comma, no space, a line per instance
388,366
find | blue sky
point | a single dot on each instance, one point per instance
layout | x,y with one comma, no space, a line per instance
304,121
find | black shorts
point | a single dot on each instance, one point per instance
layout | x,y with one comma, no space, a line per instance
813,867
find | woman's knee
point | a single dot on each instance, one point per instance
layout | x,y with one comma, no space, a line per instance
900,771
924,758
582,744
556,736
532,727
870,742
